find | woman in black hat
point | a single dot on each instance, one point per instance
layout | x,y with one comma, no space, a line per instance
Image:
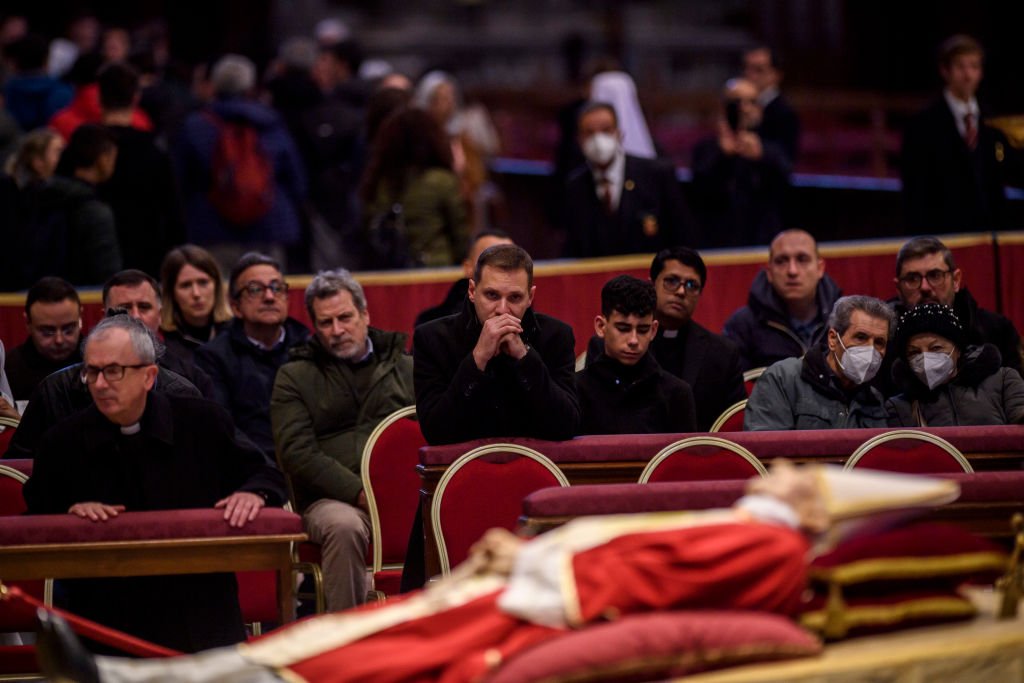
946,383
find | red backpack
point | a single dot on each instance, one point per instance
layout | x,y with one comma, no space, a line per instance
241,175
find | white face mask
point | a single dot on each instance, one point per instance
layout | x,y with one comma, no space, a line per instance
860,363
933,367
600,148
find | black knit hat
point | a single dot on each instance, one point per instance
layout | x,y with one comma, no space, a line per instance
933,318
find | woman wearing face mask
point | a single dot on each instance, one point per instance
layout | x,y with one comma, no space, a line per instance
944,381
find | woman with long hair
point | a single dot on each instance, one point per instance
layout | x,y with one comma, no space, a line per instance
35,160
411,195
195,308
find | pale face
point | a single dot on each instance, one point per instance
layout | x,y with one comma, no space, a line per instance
121,401
626,337
597,121
963,75
267,308
55,328
140,301
794,267
744,93
340,326
758,69
480,246
676,305
864,330
942,291
929,341
499,292
194,293
46,165
442,102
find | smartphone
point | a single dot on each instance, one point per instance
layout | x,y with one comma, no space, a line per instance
732,114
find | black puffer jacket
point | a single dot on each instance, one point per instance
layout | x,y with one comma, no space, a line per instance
982,393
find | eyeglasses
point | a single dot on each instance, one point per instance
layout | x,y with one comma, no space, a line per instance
255,290
50,331
671,283
935,278
111,373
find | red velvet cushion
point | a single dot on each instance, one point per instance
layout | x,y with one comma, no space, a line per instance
606,499
150,525
889,611
396,485
910,553
701,463
647,646
911,456
18,659
11,500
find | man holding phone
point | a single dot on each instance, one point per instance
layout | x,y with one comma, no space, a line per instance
740,177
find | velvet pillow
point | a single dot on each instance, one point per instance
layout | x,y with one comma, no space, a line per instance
897,578
657,645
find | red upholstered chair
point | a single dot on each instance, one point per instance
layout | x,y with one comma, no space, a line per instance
910,451
16,660
731,419
392,487
9,424
485,488
702,458
750,377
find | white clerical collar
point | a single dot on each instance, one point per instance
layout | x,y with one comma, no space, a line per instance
260,345
670,334
128,430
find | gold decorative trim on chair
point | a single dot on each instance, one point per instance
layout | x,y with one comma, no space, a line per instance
913,435
727,414
693,442
459,463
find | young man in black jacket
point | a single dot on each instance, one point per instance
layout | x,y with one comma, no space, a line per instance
624,390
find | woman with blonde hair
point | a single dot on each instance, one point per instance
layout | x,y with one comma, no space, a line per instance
35,160
195,308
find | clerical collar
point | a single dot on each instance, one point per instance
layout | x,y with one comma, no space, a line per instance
134,428
670,334
260,345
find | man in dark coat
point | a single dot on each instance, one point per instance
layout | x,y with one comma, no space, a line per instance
788,306
243,362
779,122
954,166
496,368
618,203
623,390
134,450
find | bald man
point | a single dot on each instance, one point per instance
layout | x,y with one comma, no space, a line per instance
788,305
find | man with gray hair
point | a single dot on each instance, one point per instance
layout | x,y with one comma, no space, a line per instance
829,387
334,390
242,180
135,449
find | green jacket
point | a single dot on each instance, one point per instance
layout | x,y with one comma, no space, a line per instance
321,425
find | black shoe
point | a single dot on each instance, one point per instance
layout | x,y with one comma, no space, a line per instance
61,656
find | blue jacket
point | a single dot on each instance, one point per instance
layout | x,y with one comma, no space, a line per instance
243,376
32,100
193,156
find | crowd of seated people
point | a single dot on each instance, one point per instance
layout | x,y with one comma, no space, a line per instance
216,367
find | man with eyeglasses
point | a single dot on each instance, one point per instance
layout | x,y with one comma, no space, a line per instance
788,305
708,362
53,318
243,362
137,450
926,273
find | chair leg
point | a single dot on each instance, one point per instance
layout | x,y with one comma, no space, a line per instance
313,569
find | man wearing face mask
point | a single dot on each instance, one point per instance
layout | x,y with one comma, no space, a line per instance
829,387
946,382
617,203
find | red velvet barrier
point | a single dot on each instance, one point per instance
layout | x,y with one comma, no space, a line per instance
570,290
151,526
802,445
611,499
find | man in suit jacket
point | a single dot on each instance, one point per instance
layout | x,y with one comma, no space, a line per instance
617,203
954,166
708,362
779,123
